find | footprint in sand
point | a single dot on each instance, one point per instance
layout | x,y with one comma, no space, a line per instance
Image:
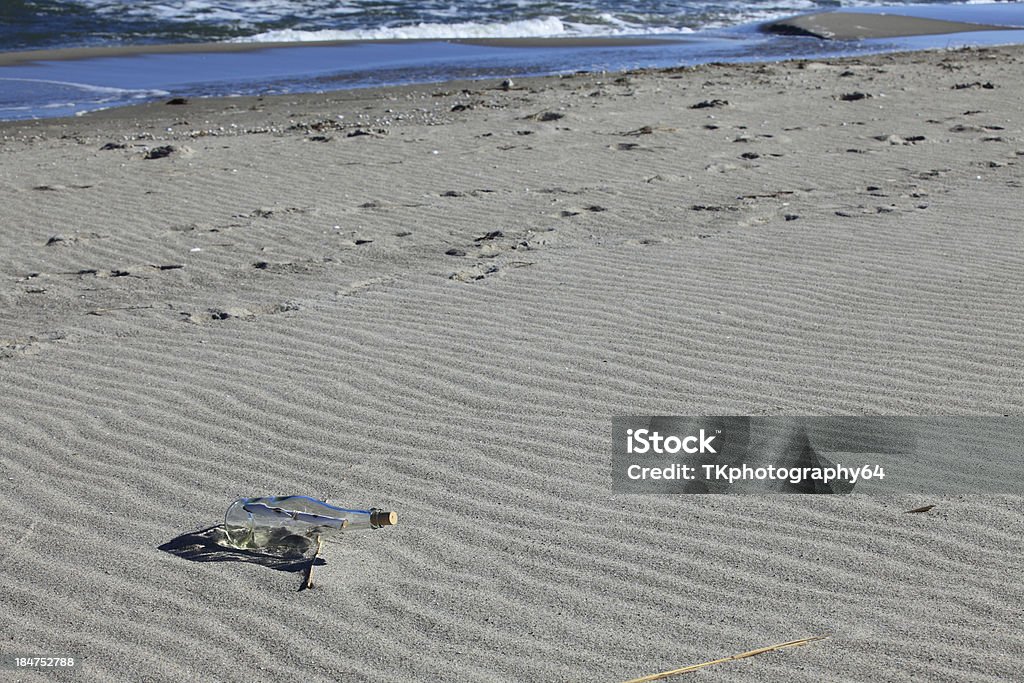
483,271
293,267
63,240
239,312
29,346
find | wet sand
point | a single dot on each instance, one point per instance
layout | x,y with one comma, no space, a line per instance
859,26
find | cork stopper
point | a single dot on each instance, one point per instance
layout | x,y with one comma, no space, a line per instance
380,518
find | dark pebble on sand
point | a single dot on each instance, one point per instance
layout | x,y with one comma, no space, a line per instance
177,100
791,216
750,155
854,96
160,152
455,252
111,145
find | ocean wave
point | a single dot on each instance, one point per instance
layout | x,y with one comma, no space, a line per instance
62,23
545,27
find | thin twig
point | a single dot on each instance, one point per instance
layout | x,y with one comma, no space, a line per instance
312,563
101,311
744,655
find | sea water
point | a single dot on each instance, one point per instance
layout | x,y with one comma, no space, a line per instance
400,41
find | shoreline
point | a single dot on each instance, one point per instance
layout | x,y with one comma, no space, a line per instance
845,24
162,109
106,51
58,82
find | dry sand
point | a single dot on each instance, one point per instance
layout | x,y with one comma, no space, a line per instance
271,309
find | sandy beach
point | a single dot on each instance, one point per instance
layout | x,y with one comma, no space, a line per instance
433,299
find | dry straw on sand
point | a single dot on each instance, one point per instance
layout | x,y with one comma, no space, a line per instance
733,658
308,582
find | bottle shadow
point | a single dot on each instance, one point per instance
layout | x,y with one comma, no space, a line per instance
207,545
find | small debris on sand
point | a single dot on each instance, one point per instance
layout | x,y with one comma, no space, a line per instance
161,152
710,104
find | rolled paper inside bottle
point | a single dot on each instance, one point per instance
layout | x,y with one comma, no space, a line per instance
379,518
318,522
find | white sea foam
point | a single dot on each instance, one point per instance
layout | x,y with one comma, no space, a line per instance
215,11
528,28
321,20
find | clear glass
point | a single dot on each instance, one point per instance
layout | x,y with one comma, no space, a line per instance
293,522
